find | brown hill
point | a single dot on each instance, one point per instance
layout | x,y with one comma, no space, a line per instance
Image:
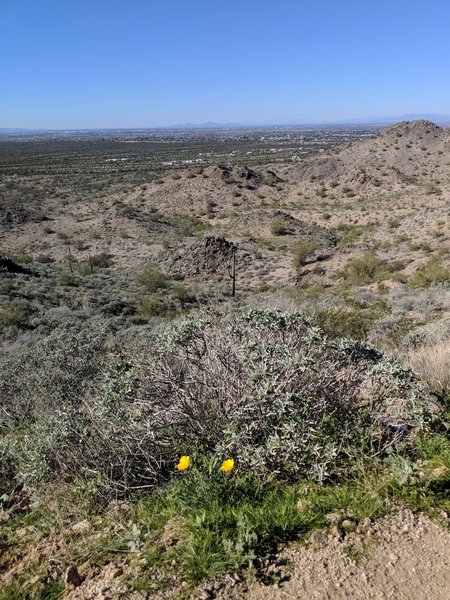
384,162
387,195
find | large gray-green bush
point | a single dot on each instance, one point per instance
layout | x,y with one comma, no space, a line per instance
265,388
44,374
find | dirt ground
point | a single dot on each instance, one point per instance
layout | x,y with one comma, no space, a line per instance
400,557
403,557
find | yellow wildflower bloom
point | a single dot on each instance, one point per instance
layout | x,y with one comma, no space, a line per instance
184,463
227,465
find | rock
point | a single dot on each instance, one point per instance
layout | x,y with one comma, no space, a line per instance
8,265
365,524
443,517
333,518
393,558
171,534
335,532
250,175
117,571
348,525
72,577
212,256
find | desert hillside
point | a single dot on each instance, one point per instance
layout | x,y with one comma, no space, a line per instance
224,365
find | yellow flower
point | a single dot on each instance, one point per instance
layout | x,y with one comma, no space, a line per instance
184,463
227,465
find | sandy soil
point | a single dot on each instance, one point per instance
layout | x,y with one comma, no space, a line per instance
403,557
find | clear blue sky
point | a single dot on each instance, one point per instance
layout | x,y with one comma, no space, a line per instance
128,63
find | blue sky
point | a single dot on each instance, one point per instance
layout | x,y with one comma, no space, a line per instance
136,63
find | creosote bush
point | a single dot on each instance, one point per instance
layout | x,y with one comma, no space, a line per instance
268,389
153,280
368,268
430,273
302,251
348,322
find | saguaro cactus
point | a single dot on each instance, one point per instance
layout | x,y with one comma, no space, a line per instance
232,273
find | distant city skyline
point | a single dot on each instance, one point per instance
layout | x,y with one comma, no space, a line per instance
106,64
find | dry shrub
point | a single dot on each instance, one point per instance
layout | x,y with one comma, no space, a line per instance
268,389
432,365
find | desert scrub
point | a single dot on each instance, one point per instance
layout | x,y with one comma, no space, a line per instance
432,188
15,314
432,272
43,375
184,294
368,268
321,191
268,389
188,225
301,252
153,280
431,363
156,306
278,227
347,322
351,233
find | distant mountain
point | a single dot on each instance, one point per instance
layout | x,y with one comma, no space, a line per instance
383,120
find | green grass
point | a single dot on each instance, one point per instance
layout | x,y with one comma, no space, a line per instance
205,523
45,589
235,522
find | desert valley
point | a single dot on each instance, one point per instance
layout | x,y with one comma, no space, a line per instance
278,297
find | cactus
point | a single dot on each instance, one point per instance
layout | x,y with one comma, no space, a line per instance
232,273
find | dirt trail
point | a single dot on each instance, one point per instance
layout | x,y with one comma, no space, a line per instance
404,557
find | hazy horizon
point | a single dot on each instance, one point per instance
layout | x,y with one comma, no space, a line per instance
275,123
104,65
